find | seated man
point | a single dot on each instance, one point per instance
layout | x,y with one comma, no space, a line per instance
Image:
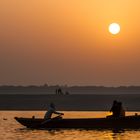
114,109
117,110
121,110
50,111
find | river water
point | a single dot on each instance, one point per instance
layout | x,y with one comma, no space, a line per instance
12,130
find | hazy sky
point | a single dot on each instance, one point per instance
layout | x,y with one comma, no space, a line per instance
67,42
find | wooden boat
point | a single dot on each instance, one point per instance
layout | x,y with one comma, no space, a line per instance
132,122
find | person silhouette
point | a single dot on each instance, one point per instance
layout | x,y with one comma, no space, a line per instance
121,111
50,111
117,109
114,109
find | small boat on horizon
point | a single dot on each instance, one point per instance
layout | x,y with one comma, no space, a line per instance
130,122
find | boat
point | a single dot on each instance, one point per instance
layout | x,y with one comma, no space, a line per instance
132,122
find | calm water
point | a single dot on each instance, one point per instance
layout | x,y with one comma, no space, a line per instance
11,130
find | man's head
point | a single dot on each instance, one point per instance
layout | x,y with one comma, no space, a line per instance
115,102
52,105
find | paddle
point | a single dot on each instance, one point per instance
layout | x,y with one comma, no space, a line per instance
48,120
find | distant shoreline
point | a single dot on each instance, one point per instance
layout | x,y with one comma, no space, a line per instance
45,89
73,102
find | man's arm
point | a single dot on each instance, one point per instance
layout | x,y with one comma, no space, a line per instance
55,112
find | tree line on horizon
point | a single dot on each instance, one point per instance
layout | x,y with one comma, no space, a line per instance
45,86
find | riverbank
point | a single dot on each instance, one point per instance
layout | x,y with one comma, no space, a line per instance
68,102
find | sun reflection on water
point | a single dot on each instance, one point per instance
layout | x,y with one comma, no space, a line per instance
11,130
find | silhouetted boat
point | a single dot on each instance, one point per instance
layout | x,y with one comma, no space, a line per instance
86,123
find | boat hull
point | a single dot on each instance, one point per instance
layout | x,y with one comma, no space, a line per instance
86,123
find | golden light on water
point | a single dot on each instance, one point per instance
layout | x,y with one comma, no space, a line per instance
114,28
108,113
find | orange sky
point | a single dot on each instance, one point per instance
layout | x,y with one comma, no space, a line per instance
67,42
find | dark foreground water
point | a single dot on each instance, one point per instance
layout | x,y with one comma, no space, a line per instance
11,130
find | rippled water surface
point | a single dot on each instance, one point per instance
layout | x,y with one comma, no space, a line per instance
11,130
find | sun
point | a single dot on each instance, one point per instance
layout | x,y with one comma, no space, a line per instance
114,28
